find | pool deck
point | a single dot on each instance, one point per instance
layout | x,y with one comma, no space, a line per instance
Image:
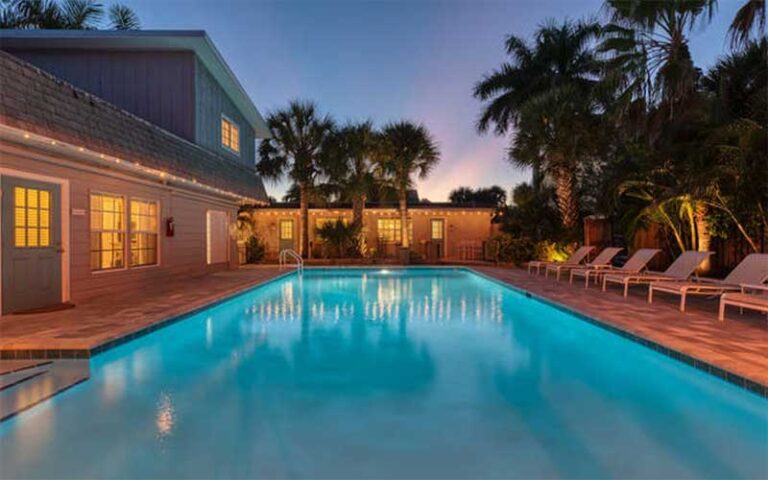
737,346
104,321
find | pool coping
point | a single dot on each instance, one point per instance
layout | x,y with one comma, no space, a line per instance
721,373
87,353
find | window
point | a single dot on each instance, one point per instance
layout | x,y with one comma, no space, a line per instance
286,229
107,232
32,217
144,234
389,230
216,235
437,229
230,135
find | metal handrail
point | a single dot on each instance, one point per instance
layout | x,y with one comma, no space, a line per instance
289,252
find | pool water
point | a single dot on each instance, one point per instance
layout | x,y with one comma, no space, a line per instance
349,373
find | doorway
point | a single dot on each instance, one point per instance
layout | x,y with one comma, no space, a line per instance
31,244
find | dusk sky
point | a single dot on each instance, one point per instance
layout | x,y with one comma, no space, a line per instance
387,61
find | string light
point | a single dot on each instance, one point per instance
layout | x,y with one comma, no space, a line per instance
159,173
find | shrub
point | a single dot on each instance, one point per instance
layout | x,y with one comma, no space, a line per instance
341,240
254,249
514,249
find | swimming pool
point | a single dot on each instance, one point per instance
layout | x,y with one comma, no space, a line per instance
388,373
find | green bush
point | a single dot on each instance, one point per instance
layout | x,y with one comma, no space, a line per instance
254,249
342,240
515,249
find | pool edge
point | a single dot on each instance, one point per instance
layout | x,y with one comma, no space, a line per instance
745,383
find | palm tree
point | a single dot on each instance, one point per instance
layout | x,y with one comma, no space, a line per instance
558,71
300,139
66,14
406,149
647,46
750,17
350,167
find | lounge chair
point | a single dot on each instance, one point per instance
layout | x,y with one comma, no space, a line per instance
601,260
753,270
681,270
745,299
576,258
636,264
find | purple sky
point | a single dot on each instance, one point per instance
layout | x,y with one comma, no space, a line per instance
388,60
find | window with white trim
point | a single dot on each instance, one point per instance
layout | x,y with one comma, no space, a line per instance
107,231
230,135
216,236
144,233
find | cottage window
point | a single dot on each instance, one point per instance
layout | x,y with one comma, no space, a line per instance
144,233
107,232
437,229
230,135
32,217
389,230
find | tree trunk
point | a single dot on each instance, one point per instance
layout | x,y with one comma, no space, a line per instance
404,220
304,221
358,206
566,199
703,235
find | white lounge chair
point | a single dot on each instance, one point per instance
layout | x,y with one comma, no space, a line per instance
681,269
753,270
636,264
747,298
576,258
602,259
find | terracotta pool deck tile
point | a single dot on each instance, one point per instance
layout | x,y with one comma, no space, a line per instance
107,318
738,345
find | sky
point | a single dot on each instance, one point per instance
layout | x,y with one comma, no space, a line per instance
389,60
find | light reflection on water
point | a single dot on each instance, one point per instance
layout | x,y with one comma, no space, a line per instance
425,373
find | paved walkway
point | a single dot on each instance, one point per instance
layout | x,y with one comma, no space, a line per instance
80,331
738,345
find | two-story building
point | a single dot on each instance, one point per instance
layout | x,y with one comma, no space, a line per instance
124,157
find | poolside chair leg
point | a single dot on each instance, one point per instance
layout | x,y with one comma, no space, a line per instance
650,294
586,280
558,274
682,302
604,283
570,280
721,312
626,289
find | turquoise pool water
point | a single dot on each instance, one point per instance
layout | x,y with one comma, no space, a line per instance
413,373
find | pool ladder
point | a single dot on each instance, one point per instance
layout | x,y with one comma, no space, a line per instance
289,252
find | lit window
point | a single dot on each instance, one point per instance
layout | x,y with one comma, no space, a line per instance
286,230
437,229
32,217
389,230
216,236
144,235
230,135
107,232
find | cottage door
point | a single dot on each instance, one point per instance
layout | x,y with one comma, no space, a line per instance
31,244
285,234
438,237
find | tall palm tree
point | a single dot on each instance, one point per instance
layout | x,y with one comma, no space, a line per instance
65,14
406,149
750,18
558,70
648,47
299,142
350,166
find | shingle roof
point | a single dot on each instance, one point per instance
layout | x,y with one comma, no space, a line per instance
35,101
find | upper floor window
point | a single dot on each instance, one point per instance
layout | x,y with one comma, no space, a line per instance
230,135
